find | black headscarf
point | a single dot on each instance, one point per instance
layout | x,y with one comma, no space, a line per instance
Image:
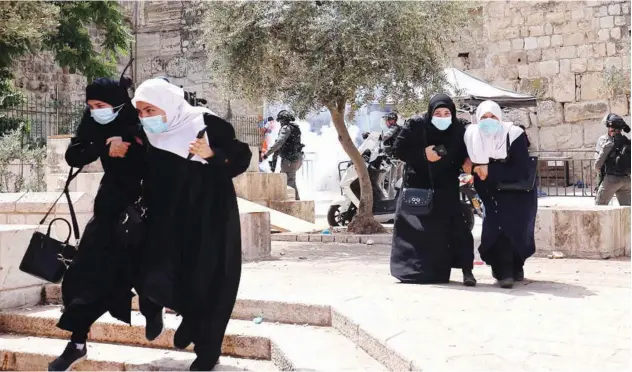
436,136
113,92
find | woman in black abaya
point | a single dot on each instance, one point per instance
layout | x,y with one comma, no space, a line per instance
425,248
193,237
101,275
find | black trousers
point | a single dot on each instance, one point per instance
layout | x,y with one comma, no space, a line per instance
93,312
503,260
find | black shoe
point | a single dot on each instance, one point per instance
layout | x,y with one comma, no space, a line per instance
519,275
468,278
202,365
68,358
506,283
182,338
154,326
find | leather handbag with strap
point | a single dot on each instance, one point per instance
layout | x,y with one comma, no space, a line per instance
526,184
417,201
48,258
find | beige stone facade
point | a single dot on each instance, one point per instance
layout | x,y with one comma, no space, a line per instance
561,51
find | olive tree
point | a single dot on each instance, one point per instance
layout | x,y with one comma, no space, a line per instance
333,54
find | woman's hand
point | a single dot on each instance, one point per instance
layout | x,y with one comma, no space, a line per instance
431,155
481,170
467,166
201,148
118,148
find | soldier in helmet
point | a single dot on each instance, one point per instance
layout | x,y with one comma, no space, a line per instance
289,147
613,162
393,131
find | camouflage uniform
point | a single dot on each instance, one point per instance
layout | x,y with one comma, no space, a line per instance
609,183
289,147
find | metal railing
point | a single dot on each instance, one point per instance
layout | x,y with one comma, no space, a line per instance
566,173
42,117
247,130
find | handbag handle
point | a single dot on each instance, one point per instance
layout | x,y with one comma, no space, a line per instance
59,219
75,225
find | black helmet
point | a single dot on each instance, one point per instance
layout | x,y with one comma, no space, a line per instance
390,116
616,122
285,116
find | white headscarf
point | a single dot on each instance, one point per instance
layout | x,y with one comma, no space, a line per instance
184,120
480,146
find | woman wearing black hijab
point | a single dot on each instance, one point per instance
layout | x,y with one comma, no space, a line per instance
100,277
426,247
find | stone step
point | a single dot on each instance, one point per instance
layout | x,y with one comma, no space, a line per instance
290,347
26,353
245,309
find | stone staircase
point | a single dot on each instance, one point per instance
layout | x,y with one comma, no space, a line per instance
291,337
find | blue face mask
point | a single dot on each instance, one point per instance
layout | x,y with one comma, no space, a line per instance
490,126
154,124
442,123
104,115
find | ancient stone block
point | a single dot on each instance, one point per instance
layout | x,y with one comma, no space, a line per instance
550,113
534,55
585,110
619,21
518,57
255,236
177,67
568,52
615,33
549,68
549,54
578,13
504,46
604,34
619,105
591,86
565,136
585,51
13,243
603,11
611,49
600,49
577,38
579,65
544,41
625,8
606,22
530,43
557,40
613,62
535,31
512,32
565,66
548,29
564,87
593,129
614,9
535,18
517,44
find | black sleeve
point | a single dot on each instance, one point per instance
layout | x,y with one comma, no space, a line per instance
516,168
84,148
406,146
457,153
231,154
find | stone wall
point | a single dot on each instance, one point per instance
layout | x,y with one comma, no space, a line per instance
165,43
560,51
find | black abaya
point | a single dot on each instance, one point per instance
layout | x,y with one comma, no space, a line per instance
193,248
426,247
508,237
101,274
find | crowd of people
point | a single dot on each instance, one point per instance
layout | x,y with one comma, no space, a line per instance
179,160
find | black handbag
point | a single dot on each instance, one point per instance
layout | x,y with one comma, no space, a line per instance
417,201
47,258
527,184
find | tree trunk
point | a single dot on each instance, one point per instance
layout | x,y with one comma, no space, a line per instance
363,222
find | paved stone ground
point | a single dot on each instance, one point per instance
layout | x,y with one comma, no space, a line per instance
568,315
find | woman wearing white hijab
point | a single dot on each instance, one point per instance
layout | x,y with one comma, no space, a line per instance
499,153
193,246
